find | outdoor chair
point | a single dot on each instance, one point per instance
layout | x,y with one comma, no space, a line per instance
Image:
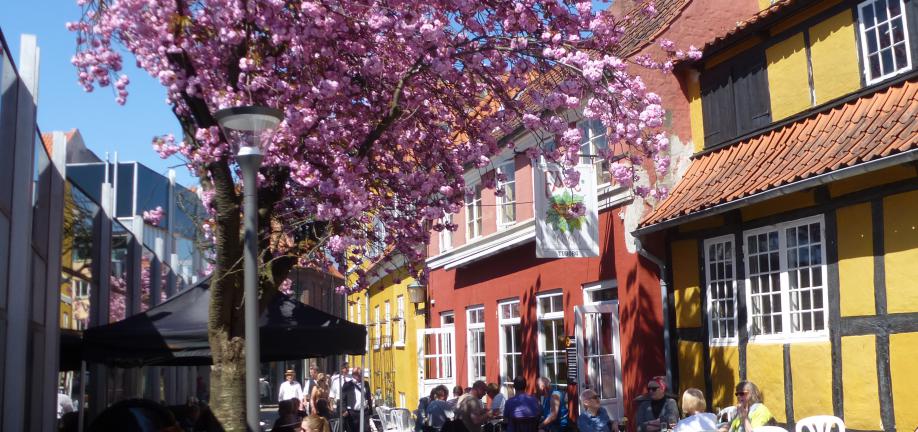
400,420
769,429
383,413
726,414
820,423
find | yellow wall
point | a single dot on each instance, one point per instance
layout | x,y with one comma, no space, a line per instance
691,365
811,366
778,205
833,54
901,246
724,375
687,292
765,367
788,77
865,181
859,382
695,114
764,4
903,350
855,260
401,361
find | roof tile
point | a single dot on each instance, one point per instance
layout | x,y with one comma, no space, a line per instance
870,127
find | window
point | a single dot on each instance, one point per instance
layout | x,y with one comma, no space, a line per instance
473,213
786,279
721,290
387,338
511,338
593,137
884,39
735,98
438,355
552,340
476,343
377,327
400,320
600,292
447,319
506,204
446,236
80,288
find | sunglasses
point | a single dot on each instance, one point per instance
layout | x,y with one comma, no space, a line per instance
741,393
652,388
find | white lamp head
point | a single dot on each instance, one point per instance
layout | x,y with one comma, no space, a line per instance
246,127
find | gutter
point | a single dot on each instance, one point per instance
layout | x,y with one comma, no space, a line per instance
664,296
821,179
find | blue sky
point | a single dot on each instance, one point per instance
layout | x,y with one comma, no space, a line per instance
63,105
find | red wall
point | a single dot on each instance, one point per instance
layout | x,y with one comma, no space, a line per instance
517,273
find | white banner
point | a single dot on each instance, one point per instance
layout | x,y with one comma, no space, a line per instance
567,219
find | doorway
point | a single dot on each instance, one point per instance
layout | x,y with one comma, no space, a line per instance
599,353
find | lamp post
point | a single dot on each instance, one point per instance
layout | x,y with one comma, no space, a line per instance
247,127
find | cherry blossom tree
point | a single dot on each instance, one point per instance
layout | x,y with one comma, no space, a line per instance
386,102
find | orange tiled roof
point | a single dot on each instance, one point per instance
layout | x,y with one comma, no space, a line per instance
864,129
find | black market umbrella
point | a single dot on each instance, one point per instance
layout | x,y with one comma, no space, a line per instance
174,333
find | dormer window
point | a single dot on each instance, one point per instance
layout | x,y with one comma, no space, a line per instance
884,39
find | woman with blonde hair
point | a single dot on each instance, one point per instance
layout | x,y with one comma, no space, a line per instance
315,423
696,419
319,391
751,411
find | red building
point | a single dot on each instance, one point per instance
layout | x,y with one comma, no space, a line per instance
497,311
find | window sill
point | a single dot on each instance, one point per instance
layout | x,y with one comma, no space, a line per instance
790,338
399,345
723,342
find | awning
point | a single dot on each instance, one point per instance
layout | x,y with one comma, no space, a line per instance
175,333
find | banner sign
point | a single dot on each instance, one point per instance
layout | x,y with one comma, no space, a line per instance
567,218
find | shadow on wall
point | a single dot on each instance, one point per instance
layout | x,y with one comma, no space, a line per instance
511,261
641,338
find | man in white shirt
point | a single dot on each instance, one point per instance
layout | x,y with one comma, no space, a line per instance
308,384
290,389
356,398
337,381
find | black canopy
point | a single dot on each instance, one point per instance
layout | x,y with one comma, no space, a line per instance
175,334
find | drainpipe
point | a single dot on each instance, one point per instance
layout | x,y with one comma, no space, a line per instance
664,296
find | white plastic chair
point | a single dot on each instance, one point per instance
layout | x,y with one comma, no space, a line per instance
769,429
820,423
400,420
383,413
729,411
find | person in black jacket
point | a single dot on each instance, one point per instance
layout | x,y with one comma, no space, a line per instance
356,397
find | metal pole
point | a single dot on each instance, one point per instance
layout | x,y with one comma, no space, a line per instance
249,164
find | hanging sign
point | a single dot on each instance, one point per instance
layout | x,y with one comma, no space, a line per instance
567,219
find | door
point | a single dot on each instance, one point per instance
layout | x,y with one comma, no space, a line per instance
599,365
436,358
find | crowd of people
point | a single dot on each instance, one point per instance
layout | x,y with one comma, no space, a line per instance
322,400
547,410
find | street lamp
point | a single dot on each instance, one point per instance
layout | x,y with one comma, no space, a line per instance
248,127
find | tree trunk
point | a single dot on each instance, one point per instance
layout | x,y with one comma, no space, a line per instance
227,381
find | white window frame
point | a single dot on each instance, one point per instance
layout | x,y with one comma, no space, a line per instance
473,213
446,236
589,150
387,342
787,335
473,326
543,316
508,166
502,322
864,33
80,287
590,289
378,327
402,400
710,281
400,329
448,314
